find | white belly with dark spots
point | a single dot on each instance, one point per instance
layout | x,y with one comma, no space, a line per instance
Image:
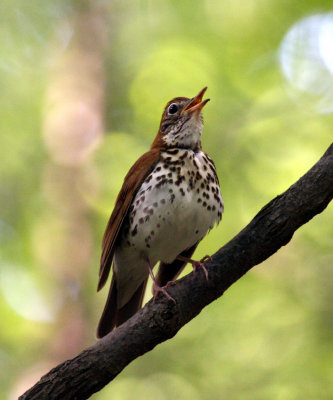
175,207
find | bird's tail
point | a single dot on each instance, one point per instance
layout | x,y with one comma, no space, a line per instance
112,316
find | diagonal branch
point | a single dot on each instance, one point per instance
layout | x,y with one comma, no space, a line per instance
270,229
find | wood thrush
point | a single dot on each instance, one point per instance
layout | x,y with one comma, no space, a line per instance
169,200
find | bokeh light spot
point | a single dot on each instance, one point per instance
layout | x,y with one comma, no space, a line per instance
23,295
306,59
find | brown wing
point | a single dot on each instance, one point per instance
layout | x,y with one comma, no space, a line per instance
132,182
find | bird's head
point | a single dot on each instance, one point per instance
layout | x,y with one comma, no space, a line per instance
182,123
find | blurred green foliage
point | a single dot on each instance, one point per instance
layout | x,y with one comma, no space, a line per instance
271,335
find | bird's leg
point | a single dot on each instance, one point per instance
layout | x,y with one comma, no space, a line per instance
196,264
158,288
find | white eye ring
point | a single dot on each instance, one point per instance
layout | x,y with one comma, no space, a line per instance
173,108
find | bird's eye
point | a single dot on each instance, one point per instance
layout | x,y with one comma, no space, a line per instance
172,109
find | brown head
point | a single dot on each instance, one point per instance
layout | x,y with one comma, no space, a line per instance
182,123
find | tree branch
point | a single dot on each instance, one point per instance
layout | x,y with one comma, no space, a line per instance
270,229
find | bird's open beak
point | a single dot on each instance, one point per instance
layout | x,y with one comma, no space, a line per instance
196,103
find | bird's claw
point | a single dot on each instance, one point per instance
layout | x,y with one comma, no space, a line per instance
196,264
162,289
207,257
200,264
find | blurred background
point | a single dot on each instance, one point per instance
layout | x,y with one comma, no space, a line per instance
83,85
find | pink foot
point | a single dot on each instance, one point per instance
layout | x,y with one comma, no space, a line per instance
197,264
207,257
200,264
159,289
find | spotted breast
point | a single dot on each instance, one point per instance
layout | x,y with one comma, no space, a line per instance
179,201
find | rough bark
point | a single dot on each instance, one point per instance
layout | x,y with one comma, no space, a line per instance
270,229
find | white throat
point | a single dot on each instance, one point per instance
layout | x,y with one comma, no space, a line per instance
186,136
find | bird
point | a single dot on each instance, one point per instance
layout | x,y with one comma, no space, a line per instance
168,202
